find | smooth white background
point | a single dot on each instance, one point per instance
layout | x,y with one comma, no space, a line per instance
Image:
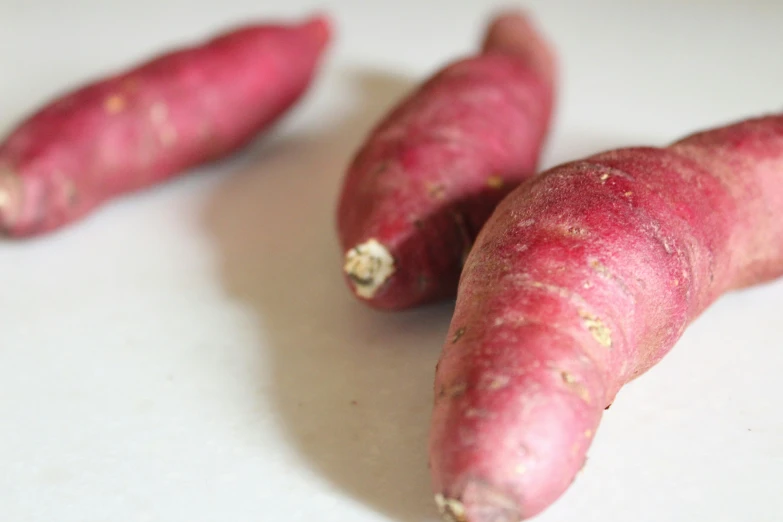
191,353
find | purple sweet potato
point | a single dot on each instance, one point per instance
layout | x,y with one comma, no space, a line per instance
148,124
430,173
582,280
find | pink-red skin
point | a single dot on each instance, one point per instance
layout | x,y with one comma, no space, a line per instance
430,173
145,125
627,246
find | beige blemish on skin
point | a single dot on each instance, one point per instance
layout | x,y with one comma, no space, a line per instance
499,382
450,509
599,267
114,104
168,136
598,329
604,177
628,194
159,113
10,194
495,182
436,190
457,389
475,412
575,386
70,192
458,335
588,434
368,266
521,469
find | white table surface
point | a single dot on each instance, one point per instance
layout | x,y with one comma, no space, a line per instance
191,353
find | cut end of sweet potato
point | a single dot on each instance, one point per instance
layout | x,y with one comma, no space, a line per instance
368,266
479,503
451,510
10,202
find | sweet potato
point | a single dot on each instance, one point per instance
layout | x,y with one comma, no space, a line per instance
582,280
148,124
431,172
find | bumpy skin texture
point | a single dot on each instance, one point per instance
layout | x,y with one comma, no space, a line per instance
432,171
582,280
146,125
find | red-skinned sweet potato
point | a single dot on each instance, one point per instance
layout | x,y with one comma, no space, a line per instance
431,172
582,280
148,124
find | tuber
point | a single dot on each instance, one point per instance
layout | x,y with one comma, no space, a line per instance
582,280
430,173
143,126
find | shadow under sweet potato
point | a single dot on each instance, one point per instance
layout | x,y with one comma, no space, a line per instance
352,387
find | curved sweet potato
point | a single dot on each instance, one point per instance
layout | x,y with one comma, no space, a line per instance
582,280
431,172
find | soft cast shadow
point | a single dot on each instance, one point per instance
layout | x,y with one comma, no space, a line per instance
352,387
